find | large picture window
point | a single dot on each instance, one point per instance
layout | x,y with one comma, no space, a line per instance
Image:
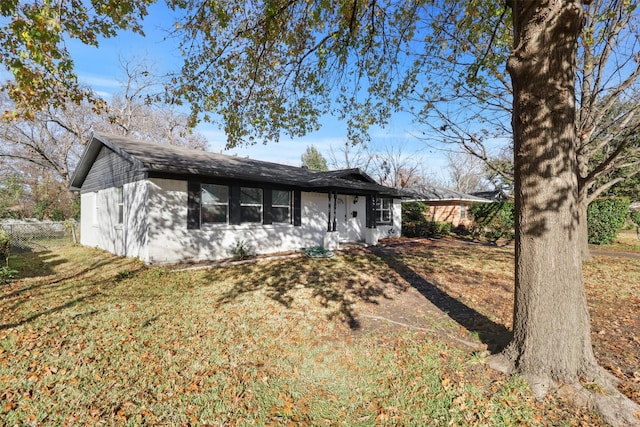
383,210
215,204
250,204
281,206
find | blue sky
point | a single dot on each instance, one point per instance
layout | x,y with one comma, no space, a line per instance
99,68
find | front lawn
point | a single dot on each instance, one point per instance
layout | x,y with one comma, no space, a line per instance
87,338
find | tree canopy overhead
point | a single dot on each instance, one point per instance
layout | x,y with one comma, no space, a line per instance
33,36
276,66
291,62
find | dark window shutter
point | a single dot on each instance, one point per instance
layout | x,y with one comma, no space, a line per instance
234,205
297,208
193,205
371,214
267,200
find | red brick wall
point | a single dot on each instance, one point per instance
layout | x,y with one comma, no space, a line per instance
448,212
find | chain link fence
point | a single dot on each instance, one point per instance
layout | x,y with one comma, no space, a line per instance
39,235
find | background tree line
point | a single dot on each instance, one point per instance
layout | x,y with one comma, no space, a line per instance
38,153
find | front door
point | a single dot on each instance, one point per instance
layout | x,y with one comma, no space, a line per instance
350,216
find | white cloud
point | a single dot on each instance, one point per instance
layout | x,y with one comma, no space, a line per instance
97,81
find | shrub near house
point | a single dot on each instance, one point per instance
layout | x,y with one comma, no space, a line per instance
5,246
605,219
6,274
493,221
416,224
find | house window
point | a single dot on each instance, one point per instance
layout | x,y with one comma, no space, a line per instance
120,199
250,204
463,211
383,210
215,204
281,206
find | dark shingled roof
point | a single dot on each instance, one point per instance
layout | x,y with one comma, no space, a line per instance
437,194
170,159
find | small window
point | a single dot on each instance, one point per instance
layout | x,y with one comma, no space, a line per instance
383,211
463,211
281,206
250,204
215,204
120,205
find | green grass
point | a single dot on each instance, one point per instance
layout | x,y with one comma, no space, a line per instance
87,338
626,240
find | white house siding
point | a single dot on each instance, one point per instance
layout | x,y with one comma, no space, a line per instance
394,229
135,218
169,240
155,225
99,220
88,235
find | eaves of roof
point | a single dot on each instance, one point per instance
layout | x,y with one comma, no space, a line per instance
162,158
437,194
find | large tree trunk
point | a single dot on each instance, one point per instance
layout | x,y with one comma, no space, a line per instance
551,330
583,231
551,321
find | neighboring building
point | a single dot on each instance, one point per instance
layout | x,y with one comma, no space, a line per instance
168,204
447,205
492,196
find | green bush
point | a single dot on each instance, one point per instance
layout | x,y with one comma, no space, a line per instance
441,228
5,246
7,274
493,220
240,249
605,219
635,217
416,224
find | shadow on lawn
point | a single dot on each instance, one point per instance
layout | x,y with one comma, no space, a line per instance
494,335
336,288
60,292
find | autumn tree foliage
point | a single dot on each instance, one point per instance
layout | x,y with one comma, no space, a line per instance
33,36
268,68
42,151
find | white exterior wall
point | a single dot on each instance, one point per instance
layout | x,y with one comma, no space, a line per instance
155,225
135,218
99,220
170,241
393,230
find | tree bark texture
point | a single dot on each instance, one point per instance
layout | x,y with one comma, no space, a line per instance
551,321
583,230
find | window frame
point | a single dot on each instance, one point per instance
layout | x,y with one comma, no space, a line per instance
243,205
234,207
379,209
288,206
120,204
203,205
